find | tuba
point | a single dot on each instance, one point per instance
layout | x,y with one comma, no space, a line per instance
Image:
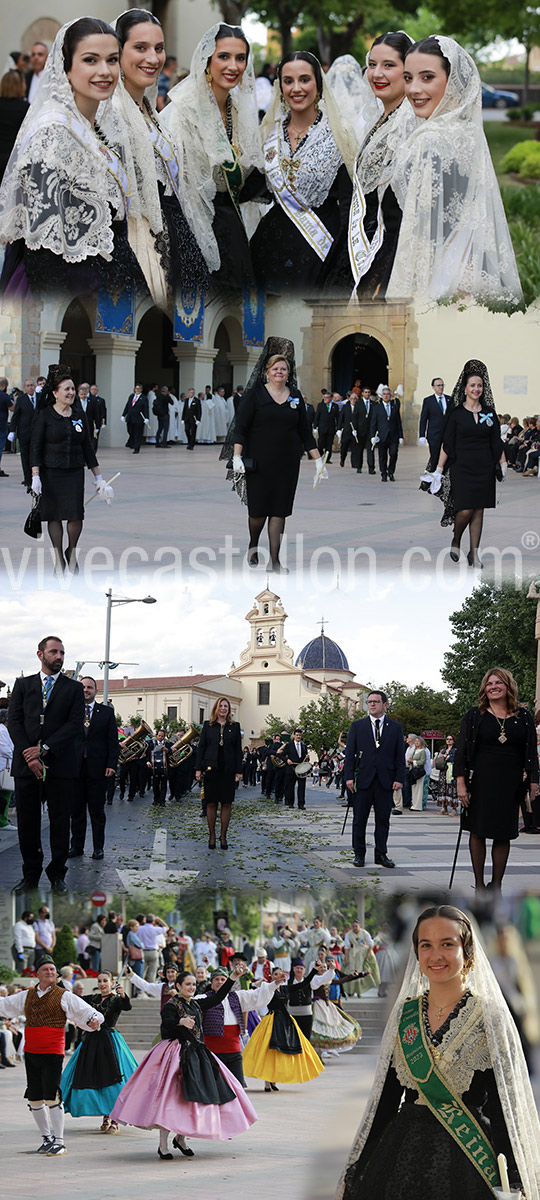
131,747
182,748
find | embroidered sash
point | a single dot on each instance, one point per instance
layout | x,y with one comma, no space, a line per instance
306,220
362,251
91,143
164,148
447,1108
234,178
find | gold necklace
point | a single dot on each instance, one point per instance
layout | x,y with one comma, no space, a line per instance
502,736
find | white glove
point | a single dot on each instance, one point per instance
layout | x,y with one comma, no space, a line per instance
504,468
123,419
339,434
315,432
104,490
11,437
146,421
320,471
436,483
400,443
197,423
422,441
375,441
238,465
36,485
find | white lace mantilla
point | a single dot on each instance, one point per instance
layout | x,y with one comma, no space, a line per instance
462,1051
312,169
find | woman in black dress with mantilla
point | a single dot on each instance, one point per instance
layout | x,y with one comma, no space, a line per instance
270,433
470,459
496,764
219,759
60,449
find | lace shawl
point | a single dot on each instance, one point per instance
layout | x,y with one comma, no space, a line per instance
454,239
193,120
505,1055
343,134
462,1051
57,193
358,106
317,162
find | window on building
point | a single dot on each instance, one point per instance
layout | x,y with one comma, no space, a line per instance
266,609
201,716
263,693
172,712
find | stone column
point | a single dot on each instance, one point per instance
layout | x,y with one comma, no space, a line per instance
115,377
52,341
196,363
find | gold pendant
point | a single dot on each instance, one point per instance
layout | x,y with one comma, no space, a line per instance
503,737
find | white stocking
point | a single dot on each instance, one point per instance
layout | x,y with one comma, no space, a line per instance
164,1141
41,1117
56,1114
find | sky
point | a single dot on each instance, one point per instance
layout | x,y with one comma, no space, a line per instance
391,632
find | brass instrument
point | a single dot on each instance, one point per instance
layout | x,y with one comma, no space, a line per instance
182,748
132,746
277,761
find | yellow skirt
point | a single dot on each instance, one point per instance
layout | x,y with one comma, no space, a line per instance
261,1062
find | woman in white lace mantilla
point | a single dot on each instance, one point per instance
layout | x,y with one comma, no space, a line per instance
452,1091
454,240
212,117
308,158
375,215
159,233
65,194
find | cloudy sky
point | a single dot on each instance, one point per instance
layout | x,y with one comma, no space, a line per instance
391,631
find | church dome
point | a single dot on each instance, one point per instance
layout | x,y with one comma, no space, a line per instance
322,654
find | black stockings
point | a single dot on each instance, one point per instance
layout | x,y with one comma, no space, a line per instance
56,534
276,525
499,859
474,518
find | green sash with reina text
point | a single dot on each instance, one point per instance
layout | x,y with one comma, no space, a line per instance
451,1112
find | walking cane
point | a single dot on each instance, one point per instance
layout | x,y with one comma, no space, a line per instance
456,853
349,806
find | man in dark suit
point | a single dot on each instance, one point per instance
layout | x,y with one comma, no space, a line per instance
295,752
432,416
191,417
45,720
98,411
160,409
21,425
135,415
347,428
362,423
99,762
325,424
387,428
7,405
374,769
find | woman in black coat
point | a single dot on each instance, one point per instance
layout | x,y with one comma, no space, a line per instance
496,764
271,432
60,448
219,759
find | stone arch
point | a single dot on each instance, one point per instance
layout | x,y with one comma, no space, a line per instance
43,29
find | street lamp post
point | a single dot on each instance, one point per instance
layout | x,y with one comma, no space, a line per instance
107,661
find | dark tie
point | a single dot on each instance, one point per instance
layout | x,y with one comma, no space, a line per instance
441,404
48,684
377,732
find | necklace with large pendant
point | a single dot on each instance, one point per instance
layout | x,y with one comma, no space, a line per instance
502,736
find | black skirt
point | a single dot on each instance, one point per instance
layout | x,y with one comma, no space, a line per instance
97,1065
284,1036
202,1080
63,494
497,785
219,787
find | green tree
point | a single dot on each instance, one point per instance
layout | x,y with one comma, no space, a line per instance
322,721
277,725
197,910
483,24
493,628
420,707
169,724
64,952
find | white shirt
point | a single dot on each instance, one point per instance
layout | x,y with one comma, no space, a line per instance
6,748
45,929
381,723
24,936
441,402
34,84
150,936
77,1011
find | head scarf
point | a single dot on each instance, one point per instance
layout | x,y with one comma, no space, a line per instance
193,119
454,239
57,192
330,142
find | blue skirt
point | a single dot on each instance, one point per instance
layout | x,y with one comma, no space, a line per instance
97,1102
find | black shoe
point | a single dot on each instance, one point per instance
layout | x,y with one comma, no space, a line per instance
372,471
98,854
274,1087
164,1157
224,844
45,1145
25,885
253,557
359,860
211,845
358,470
396,812
73,853
110,801
56,1150
7,1063
59,886
183,1149
392,478
4,475
475,562
383,478
383,860
455,552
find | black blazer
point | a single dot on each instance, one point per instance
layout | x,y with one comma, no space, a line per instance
61,442
361,418
60,725
290,752
137,412
207,751
22,417
326,420
192,410
346,419
362,756
467,738
432,417
101,741
390,428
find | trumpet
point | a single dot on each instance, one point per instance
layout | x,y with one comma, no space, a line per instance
133,745
182,748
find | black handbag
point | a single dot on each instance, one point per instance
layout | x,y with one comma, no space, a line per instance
416,773
32,525
249,463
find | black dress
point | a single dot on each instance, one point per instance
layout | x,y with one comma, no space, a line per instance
97,1061
374,283
409,1154
61,447
496,784
220,763
275,436
473,445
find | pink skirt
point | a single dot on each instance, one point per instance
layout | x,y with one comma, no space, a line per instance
154,1099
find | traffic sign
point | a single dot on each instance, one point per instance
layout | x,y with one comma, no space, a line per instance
98,899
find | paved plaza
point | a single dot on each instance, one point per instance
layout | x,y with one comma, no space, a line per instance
274,847
174,512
